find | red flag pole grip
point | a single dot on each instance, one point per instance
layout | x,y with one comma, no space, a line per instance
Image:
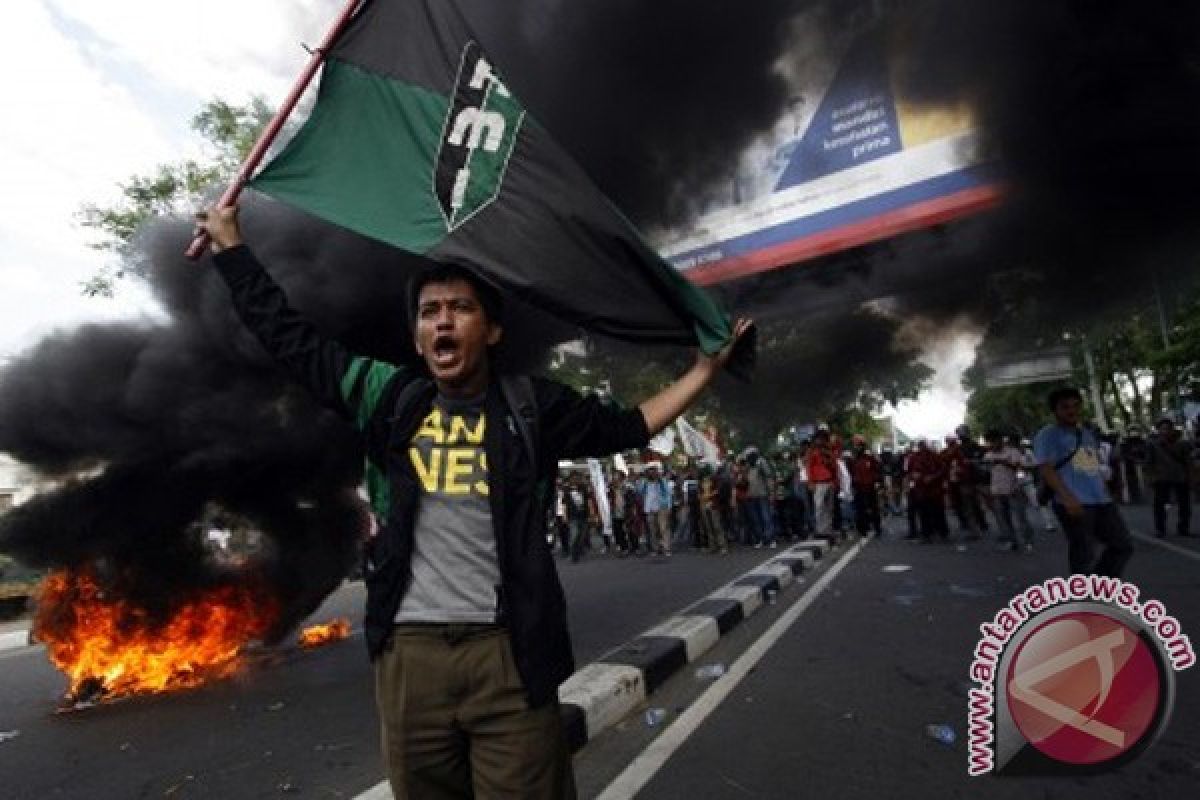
271,132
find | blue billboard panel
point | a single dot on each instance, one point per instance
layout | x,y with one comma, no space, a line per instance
865,164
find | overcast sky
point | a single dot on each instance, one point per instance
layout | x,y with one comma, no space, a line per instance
95,92
98,90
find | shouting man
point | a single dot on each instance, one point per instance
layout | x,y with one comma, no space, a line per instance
465,619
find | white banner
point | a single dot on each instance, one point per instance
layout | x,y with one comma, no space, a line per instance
600,489
696,444
664,443
619,463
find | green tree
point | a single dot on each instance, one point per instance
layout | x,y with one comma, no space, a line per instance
1183,353
1138,375
229,130
1012,409
855,420
843,368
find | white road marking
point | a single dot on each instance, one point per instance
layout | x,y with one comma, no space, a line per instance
645,766
380,791
1174,548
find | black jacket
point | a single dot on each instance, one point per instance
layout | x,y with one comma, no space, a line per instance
367,393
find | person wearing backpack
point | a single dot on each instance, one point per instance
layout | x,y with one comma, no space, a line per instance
465,616
1069,459
1169,464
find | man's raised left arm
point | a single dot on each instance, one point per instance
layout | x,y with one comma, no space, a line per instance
575,426
663,408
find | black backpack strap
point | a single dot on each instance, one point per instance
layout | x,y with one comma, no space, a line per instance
411,391
518,394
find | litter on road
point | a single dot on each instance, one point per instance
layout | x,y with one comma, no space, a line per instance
942,734
710,671
655,716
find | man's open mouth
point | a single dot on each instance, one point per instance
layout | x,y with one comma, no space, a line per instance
446,351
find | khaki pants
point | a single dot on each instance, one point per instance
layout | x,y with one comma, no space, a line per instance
714,533
658,530
455,722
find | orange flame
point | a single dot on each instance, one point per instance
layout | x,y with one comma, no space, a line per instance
108,647
318,635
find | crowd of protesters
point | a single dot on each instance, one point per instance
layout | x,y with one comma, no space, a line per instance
749,500
1003,484
1069,476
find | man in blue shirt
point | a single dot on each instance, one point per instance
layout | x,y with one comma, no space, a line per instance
656,503
1068,456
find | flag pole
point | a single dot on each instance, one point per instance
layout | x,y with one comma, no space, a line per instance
271,132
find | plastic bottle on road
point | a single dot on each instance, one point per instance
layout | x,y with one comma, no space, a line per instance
710,671
655,716
943,734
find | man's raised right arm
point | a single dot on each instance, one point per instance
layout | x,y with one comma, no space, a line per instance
348,384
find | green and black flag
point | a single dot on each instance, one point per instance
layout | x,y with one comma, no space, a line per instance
416,141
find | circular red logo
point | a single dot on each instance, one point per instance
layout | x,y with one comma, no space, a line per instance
1084,688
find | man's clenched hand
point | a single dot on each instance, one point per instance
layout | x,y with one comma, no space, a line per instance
221,225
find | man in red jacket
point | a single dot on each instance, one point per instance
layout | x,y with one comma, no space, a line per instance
822,480
866,476
928,474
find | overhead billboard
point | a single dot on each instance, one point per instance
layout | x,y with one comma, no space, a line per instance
1024,369
862,163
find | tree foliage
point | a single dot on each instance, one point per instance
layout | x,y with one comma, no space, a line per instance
1013,409
839,369
1140,376
229,132
819,369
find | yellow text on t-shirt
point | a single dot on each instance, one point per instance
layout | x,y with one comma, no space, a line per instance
456,463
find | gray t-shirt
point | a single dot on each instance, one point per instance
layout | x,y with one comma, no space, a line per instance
1004,474
757,479
455,570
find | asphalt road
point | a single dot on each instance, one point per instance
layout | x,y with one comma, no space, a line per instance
293,722
838,707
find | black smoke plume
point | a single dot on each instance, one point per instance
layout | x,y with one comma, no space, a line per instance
1091,112
156,428
1091,107
150,426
